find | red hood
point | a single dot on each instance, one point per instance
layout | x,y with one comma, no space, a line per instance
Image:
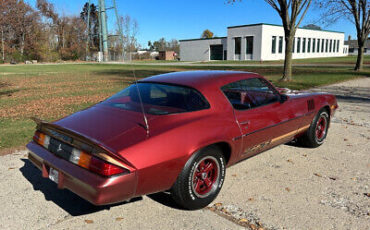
106,126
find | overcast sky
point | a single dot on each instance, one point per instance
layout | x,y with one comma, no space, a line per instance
188,18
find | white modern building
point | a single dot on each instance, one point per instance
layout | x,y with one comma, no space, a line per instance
263,42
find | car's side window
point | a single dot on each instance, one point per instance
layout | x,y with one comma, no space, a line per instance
249,93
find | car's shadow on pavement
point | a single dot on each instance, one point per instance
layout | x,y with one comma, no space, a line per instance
165,198
65,199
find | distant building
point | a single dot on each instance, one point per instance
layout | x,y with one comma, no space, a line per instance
167,55
263,42
353,46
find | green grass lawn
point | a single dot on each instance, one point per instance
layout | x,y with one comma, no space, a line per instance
53,91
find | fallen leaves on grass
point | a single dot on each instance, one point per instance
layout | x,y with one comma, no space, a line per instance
48,95
52,107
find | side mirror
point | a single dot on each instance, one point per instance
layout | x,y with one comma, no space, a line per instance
283,98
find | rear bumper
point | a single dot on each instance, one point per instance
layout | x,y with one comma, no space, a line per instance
94,188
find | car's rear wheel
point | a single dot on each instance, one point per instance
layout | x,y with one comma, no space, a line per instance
318,130
200,180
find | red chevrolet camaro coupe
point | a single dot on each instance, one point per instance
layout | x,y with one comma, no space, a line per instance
175,132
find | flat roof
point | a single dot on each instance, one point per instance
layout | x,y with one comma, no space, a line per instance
267,24
197,39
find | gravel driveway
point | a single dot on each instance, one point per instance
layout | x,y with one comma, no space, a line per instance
287,187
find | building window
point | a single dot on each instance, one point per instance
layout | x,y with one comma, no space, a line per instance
304,45
318,45
273,45
238,45
331,46
309,45
313,45
334,45
337,46
280,44
298,45
249,42
327,45
322,45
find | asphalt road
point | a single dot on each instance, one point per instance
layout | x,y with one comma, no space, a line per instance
287,187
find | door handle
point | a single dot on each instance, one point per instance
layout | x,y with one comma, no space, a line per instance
244,123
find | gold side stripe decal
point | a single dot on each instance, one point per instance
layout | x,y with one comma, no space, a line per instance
275,140
290,134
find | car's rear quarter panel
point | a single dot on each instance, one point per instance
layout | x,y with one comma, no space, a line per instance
160,158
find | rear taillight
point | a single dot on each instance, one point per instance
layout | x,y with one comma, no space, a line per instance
104,168
83,159
41,139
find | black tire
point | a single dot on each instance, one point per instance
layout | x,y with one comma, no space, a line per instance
314,138
192,189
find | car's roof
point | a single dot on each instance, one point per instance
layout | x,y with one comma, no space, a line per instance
200,79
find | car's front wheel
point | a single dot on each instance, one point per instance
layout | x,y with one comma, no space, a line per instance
201,179
318,130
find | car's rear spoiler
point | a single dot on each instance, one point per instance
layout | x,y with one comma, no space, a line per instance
81,142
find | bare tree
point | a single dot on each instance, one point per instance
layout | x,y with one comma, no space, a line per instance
19,24
358,12
130,30
291,13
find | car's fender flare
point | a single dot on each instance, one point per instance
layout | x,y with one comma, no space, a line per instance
226,147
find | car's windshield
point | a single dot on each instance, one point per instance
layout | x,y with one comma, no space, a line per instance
158,99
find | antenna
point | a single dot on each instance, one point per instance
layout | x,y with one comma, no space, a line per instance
141,104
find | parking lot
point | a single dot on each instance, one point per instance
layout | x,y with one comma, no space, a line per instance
288,187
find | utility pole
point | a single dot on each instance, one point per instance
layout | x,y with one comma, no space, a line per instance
88,31
103,54
119,28
100,37
104,28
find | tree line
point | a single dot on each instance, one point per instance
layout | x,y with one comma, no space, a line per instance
42,34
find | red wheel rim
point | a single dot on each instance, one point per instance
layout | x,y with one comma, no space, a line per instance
321,128
205,176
